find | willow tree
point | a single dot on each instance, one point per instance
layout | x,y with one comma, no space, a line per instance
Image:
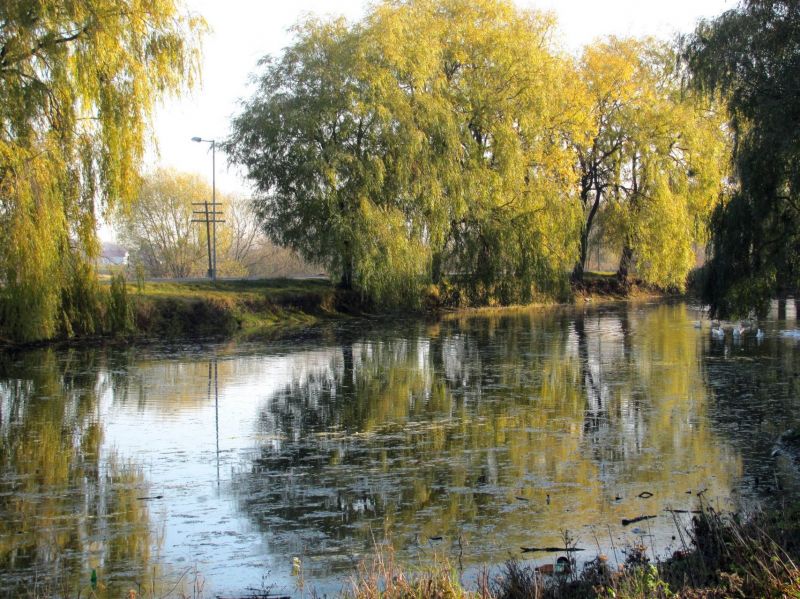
654,162
751,56
676,168
609,86
78,82
483,107
390,160
317,143
307,140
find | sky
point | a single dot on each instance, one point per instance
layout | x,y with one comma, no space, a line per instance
243,31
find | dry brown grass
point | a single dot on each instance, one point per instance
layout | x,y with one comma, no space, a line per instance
382,577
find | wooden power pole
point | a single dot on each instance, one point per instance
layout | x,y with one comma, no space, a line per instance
209,214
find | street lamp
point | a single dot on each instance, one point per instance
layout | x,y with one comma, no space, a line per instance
212,221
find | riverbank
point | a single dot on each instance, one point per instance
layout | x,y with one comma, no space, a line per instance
246,309
265,307
234,308
252,305
137,312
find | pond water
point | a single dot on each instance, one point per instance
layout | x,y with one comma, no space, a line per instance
212,466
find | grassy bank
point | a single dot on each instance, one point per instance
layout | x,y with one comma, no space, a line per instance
228,308
125,311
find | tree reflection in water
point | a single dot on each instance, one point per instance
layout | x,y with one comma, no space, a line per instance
66,510
464,429
475,434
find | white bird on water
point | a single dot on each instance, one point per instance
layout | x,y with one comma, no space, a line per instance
759,334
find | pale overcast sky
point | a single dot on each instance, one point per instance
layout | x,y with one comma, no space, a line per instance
245,30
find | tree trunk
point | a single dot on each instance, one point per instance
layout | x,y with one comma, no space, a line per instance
346,282
436,268
625,262
580,265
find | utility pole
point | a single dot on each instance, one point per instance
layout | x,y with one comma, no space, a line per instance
210,217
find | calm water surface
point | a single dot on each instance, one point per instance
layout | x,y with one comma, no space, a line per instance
470,438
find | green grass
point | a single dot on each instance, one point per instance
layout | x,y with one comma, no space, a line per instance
230,308
599,274
275,288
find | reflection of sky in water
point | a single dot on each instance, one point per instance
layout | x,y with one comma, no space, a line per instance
176,443
489,432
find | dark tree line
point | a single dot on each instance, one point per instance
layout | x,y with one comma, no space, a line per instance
750,56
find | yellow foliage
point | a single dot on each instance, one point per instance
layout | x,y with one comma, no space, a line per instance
78,82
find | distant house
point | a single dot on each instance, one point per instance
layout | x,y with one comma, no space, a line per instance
112,254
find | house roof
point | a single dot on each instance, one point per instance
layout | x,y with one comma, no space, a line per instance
112,250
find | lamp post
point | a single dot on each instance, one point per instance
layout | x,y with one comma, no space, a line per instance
212,221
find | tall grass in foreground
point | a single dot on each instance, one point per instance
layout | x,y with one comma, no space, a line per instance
382,577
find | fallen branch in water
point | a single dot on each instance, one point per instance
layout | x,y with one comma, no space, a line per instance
626,521
550,549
